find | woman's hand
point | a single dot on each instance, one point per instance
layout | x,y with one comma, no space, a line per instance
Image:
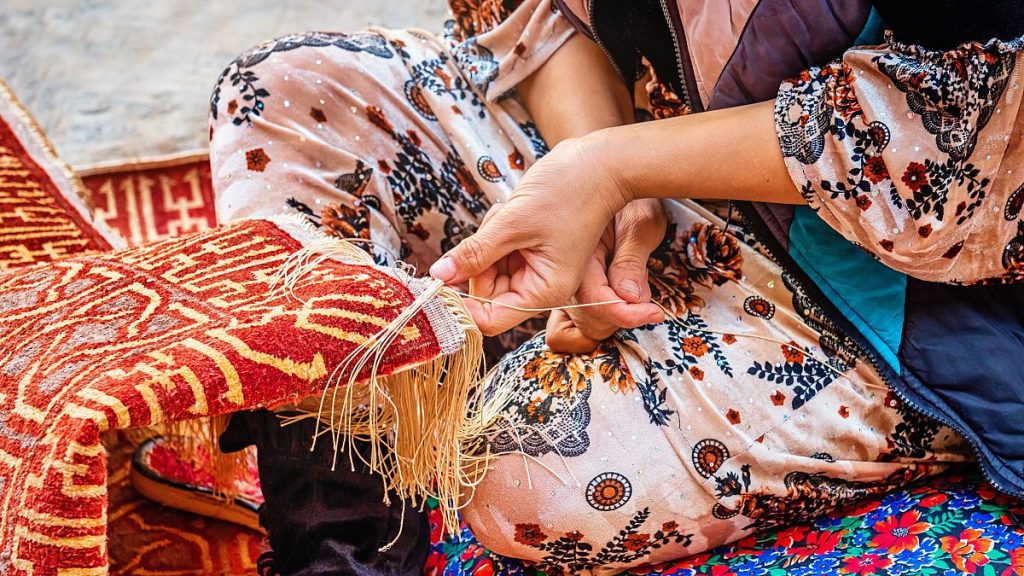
533,251
627,243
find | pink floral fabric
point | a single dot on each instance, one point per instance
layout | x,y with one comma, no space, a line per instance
746,410
916,155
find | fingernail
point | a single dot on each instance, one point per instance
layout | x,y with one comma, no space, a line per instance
630,287
443,269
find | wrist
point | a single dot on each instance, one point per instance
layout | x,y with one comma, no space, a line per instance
604,151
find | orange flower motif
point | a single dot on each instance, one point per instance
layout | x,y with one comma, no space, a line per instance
728,339
875,170
733,416
696,373
695,345
968,551
933,500
915,176
636,542
562,375
866,564
778,398
844,411
792,353
613,368
899,534
529,534
256,160
821,542
1016,563
535,409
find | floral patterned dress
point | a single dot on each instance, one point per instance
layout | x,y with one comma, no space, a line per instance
748,409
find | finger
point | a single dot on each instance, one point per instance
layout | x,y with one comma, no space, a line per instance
499,314
491,212
475,254
564,337
627,273
620,314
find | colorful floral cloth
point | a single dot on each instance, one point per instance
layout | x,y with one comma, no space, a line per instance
748,409
951,526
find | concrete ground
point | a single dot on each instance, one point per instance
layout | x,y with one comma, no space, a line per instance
116,79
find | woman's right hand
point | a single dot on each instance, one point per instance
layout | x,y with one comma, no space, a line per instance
533,252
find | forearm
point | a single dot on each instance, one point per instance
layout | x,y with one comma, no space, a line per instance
575,93
728,154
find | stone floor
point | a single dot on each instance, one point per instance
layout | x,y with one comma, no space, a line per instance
117,79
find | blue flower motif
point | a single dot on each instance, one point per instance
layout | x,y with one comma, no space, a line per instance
980,520
911,561
750,567
771,555
1013,539
860,537
825,563
963,498
893,504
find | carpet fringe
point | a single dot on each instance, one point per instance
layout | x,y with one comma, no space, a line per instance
425,427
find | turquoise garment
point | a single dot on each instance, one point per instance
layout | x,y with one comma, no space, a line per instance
870,294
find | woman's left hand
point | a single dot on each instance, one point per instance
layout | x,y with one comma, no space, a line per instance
534,251
617,271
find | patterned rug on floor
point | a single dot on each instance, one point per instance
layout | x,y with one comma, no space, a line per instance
94,341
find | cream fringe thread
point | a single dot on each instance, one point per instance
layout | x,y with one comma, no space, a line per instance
424,426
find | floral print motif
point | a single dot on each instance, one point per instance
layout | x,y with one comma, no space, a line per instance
474,17
549,411
607,492
241,76
806,376
570,552
911,197
957,101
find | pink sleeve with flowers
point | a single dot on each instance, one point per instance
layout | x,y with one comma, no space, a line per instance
915,155
505,41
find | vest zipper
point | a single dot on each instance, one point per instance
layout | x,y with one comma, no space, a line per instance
600,44
893,382
683,65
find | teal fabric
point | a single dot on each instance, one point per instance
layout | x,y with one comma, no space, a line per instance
870,294
873,32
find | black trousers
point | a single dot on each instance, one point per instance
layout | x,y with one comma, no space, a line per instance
322,522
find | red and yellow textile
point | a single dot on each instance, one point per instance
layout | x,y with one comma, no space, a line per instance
153,200
44,214
171,331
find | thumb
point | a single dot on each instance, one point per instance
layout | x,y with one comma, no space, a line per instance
627,274
473,255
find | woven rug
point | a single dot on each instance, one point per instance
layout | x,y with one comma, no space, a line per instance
155,199
93,340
